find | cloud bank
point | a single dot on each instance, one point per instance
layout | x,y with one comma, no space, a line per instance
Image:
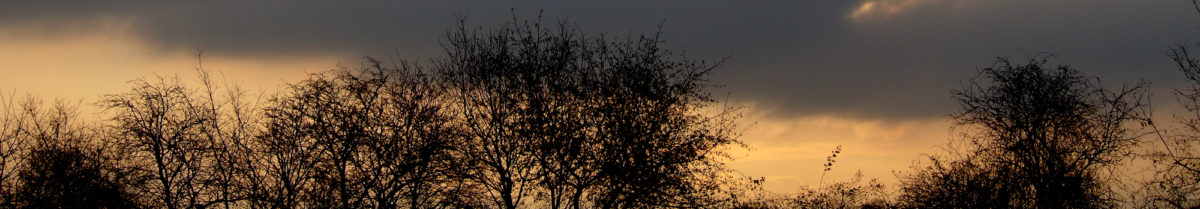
888,59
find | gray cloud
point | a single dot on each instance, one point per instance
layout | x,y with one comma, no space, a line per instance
791,57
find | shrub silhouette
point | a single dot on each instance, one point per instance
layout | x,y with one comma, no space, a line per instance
70,177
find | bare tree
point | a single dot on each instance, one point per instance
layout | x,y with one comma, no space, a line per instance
374,137
166,125
522,115
1047,131
286,155
659,132
12,148
494,76
575,120
64,164
231,122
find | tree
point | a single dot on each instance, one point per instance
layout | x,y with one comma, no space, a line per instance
165,125
229,174
71,176
522,115
1047,131
375,137
660,133
575,120
65,165
495,76
12,147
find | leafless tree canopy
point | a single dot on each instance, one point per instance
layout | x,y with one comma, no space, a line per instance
575,121
1038,138
536,115
518,116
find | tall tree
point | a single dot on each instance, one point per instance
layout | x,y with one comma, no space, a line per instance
165,123
229,173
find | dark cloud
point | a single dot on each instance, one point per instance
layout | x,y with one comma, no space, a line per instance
791,57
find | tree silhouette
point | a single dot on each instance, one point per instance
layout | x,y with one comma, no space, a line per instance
521,115
64,165
579,121
230,171
1038,138
166,126
375,137
11,148
70,176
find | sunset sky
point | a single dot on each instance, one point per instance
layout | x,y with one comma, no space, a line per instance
871,75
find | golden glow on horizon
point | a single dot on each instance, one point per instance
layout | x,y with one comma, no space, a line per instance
790,152
96,60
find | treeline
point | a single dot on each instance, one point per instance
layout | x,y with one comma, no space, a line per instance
533,116
1032,135
523,115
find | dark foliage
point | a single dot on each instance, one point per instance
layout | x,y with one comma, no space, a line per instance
62,166
70,177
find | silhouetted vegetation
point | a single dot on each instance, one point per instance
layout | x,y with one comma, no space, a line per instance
61,162
527,115
577,121
1038,138
517,116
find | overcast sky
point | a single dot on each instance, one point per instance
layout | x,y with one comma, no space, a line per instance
872,75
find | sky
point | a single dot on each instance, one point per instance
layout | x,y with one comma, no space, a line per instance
873,76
